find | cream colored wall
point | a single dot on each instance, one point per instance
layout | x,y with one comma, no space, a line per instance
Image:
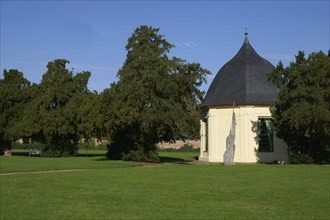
219,122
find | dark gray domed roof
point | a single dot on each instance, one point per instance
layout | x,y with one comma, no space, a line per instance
242,81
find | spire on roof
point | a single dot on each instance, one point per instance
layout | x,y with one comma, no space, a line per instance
246,40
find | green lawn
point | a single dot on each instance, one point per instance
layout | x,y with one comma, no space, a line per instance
94,160
173,189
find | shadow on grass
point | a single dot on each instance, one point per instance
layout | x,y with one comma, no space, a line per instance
175,160
90,155
162,160
102,157
21,154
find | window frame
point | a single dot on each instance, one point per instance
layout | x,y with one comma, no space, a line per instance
206,134
265,136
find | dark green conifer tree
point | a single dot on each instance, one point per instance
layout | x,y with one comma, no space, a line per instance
13,96
52,117
302,112
154,100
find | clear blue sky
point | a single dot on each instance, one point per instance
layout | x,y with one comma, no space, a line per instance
92,34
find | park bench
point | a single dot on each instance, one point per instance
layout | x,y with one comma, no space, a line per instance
34,152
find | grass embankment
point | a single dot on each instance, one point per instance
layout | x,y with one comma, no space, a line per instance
170,190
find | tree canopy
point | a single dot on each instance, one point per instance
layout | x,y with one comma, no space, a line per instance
302,112
154,100
13,95
54,115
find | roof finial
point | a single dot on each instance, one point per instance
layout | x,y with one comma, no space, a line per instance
246,33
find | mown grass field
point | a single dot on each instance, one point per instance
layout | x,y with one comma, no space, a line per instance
174,189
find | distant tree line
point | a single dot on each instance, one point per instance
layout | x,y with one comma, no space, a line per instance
155,99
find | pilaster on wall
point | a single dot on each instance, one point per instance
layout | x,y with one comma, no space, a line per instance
220,122
212,138
203,156
247,135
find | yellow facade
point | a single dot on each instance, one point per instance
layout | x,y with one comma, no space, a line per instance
215,128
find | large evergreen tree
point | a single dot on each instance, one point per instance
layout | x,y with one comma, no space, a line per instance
154,100
302,112
13,96
89,115
52,117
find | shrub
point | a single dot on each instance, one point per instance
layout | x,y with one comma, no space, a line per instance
300,158
27,146
91,146
66,151
186,147
51,153
114,151
141,156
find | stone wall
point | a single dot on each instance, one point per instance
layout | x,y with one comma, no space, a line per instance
178,144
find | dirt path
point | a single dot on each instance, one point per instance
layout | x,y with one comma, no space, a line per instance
138,164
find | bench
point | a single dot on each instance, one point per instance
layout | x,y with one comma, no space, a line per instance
34,152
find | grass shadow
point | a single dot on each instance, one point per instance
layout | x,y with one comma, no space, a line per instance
89,155
164,159
103,158
21,154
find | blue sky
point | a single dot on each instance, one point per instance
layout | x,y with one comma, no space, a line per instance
92,34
